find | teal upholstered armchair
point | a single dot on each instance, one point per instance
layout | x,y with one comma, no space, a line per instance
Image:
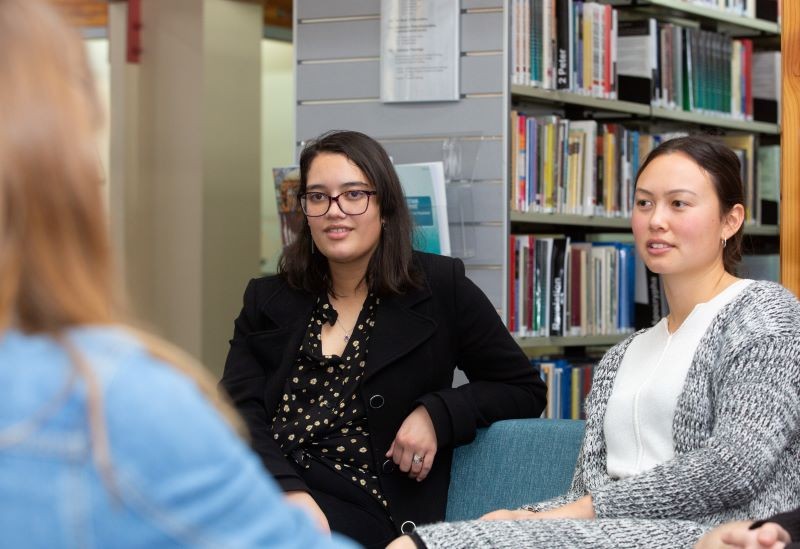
513,463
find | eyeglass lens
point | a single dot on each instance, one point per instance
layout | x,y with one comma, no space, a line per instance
350,202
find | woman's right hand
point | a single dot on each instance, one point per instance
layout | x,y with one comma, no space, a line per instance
304,500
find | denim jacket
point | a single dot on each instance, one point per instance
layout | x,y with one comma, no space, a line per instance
180,476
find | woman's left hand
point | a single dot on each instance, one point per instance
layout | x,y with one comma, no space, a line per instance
508,514
415,438
581,508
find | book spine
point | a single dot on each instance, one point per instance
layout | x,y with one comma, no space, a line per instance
575,396
562,44
536,42
558,286
512,309
530,282
565,411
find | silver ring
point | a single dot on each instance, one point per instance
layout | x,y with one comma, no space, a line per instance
417,459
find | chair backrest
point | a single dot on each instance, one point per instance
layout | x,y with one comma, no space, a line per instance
512,463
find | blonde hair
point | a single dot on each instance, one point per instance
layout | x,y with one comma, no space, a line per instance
56,267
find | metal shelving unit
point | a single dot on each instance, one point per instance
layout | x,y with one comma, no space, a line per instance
529,93
720,121
570,341
600,222
570,219
696,11
569,98
762,230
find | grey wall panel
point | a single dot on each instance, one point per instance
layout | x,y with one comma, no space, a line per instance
393,120
350,8
486,243
352,80
470,4
336,40
361,79
339,8
480,160
482,32
482,74
343,39
491,282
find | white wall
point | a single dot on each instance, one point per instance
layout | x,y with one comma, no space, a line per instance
97,53
278,137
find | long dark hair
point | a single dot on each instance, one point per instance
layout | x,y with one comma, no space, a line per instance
390,270
724,169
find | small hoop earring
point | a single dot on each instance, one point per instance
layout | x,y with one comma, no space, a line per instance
724,242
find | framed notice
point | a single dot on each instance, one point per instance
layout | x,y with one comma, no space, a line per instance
419,50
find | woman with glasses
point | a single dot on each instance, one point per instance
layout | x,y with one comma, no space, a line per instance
342,364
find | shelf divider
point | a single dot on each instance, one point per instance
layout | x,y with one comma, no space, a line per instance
521,92
570,341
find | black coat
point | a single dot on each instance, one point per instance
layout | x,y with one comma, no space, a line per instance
419,338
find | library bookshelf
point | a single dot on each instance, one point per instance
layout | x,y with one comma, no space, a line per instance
537,101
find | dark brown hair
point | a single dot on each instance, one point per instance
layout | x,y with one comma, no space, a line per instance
724,169
390,269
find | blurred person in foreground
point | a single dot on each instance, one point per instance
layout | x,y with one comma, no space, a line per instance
108,437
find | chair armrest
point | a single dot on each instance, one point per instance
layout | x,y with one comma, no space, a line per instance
512,463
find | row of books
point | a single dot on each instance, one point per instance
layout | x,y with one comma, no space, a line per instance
760,168
561,44
568,383
563,288
576,166
588,168
593,49
685,68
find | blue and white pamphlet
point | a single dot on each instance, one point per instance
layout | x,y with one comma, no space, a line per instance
423,185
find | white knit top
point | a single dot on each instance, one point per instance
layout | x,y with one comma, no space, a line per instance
638,422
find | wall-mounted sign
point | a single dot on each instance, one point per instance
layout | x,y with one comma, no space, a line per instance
419,50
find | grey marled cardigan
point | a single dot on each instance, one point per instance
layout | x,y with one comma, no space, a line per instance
736,434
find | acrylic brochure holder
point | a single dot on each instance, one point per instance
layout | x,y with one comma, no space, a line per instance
459,172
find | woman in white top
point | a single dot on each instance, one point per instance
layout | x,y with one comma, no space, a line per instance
694,421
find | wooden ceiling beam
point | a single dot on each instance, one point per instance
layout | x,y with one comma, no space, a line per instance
94,13
278,13
84,13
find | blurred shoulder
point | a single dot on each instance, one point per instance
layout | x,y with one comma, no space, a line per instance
158,419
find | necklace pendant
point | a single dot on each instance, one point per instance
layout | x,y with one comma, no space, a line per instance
346,338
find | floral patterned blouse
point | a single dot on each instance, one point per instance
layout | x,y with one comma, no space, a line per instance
320,415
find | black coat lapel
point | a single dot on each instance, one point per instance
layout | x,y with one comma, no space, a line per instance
288,310
399,329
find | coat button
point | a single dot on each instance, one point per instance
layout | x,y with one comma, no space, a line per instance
376,401
388,466
408,527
